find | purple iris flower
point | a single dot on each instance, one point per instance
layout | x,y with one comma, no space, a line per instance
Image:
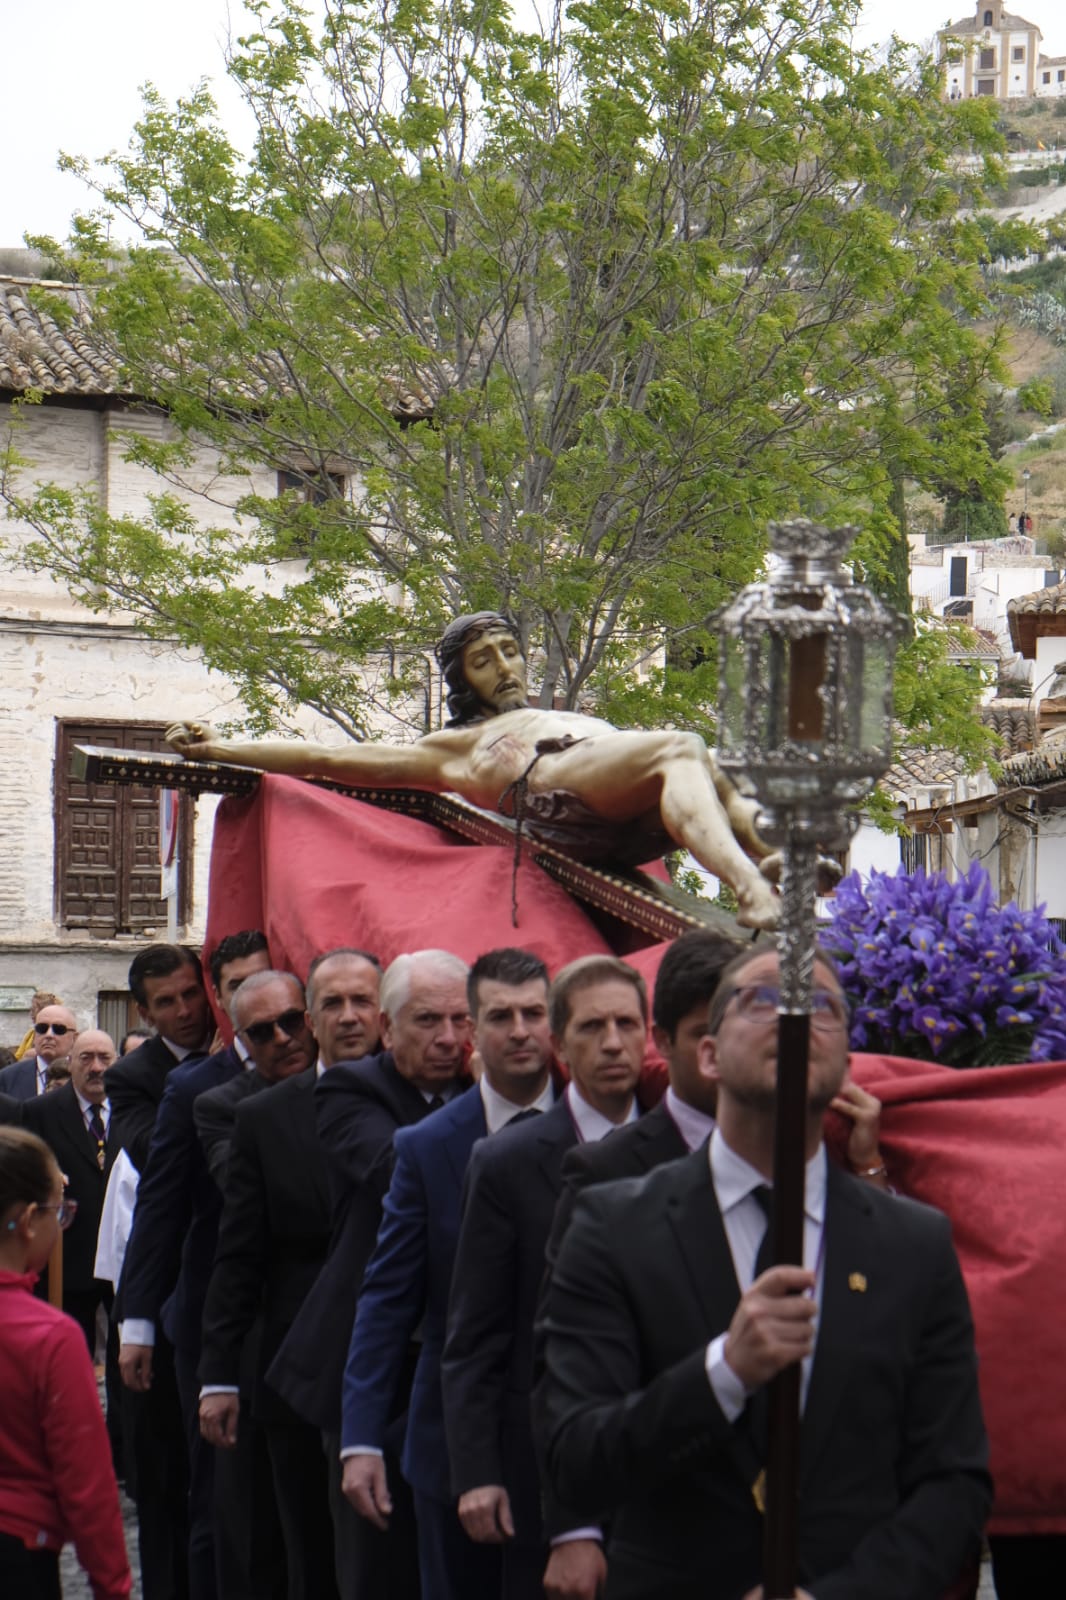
936,970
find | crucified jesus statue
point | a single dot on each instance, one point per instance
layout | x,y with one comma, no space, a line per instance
605,793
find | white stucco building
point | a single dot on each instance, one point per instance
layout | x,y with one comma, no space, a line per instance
997,53
79,868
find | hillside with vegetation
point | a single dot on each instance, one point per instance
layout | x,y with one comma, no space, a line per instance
1024,222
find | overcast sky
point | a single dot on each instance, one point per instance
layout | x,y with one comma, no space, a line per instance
74,70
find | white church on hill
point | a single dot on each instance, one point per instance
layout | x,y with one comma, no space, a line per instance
997,53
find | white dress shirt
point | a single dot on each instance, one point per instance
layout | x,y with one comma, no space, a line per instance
744,1220
695,1127
499,1111
89,1106
591,1124
181,1052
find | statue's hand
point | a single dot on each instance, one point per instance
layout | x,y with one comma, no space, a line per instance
191,739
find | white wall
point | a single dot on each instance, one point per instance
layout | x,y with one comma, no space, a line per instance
871,850
1050,848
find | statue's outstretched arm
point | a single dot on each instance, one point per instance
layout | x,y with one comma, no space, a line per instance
362,765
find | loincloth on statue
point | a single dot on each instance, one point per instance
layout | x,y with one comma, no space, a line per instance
560,818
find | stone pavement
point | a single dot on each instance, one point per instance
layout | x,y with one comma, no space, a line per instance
74,1582
76,1585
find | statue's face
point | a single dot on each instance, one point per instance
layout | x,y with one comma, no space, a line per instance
494,669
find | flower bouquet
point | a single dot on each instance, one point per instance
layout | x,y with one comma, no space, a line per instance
935,970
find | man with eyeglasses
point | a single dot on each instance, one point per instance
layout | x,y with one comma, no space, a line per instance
272,1240
53,1038
661,1329
75,1122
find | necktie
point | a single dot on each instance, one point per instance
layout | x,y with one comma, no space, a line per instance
758,1403
764,1256
436,1103
96,1128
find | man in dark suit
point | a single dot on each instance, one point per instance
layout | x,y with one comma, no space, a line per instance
599,1018
75,1120
687,977
660,1333
54,1028
172,1246
409,1275
359,1106
271,1242
684,1119
167,983
214,1113
10,1110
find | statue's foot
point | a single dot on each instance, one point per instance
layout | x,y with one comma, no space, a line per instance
758,906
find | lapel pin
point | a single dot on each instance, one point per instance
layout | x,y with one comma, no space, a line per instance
758,1488
857,1282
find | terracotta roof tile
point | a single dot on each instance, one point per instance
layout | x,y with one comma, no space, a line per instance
966,643
39,351
61,354
922,770
1013,720
1031,616
1045,764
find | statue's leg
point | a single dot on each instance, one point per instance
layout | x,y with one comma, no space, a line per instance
741,811
622,776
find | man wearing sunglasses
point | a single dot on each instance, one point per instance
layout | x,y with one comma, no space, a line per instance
53,1037
662,1327
272,1241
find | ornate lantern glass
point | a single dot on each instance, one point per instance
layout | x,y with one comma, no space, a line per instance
805,687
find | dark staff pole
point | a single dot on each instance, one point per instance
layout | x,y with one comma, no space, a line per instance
805,713
805,729
783,1414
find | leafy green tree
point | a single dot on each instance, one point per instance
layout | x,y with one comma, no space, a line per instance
974,505
1038,395
555,318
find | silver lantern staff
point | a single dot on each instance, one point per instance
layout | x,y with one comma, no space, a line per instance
804,726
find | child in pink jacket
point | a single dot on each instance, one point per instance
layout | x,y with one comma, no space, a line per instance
56,1481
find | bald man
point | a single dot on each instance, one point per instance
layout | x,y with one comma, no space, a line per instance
75,1121
54,1028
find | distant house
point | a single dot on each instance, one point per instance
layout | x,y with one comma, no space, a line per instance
992,53
1012,821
